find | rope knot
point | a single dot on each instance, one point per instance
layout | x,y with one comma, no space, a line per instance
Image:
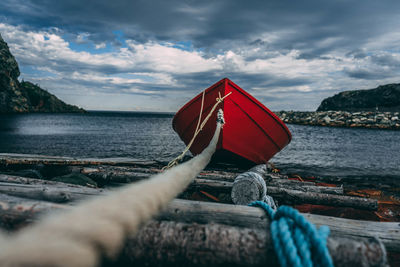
199,127
297,242
220,99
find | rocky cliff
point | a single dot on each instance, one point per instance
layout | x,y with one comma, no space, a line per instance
16,97
383,98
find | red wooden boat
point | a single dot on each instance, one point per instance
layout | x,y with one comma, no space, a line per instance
252,133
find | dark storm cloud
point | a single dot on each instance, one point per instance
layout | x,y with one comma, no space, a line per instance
302,25
386,60
357,54
314,46
367,74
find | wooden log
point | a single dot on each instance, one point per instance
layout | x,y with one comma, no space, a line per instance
288,196
246,190
162,243
115,176
6,178
244,216
211,182
127,175
17,212
8,159
198,183
309,188
23,211
182,244
107,174
60,192
45,190
105,178
28,160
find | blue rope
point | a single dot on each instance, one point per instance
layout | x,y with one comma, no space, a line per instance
297,242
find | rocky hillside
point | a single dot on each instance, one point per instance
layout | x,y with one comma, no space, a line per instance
16,97
383,98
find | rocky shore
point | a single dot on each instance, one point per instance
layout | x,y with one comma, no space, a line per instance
23,97
364,119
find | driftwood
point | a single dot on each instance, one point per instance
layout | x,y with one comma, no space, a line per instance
20,160
123,170
130,174
106,174
250,186
125,175
181,244
301,195
223,185
44,190
288,196
60,192
8,159
198,183
244,216
15,212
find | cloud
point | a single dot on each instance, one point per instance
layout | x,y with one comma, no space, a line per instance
100,45
291,55
366,74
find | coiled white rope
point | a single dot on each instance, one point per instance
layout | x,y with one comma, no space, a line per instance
98,227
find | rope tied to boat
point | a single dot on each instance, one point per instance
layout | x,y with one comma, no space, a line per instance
98,227
297,242
199,127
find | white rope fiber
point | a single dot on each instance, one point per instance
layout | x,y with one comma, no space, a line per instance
99,226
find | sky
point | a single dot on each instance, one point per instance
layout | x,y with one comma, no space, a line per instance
155,55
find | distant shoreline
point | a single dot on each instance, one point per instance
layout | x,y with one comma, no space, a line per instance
160,113
360,119
132,111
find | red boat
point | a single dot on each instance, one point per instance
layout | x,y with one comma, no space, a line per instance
252,133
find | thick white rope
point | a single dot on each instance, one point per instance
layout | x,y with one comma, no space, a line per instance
98,227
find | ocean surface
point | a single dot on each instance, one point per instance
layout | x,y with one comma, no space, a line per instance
319,151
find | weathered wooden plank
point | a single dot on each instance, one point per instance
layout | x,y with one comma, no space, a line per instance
243,216
197,183
6,178
288,196
17,212
118,174
10,159
106,175
273,187
27,159
182,244
313,195
15,209
45,190
60,192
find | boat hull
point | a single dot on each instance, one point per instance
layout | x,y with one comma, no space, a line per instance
251,132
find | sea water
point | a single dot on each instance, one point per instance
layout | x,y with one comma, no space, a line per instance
320,151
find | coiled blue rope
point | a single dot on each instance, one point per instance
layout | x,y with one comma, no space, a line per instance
297,242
